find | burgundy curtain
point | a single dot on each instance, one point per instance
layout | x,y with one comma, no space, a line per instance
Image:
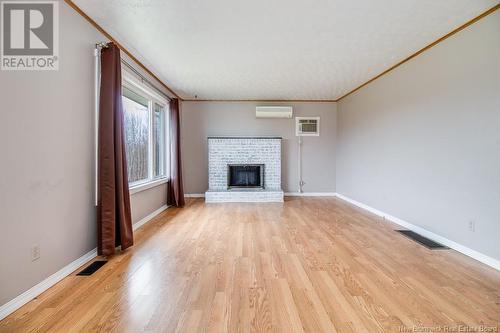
114,222
175,190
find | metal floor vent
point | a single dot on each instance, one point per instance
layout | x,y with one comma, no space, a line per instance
430,244
92,268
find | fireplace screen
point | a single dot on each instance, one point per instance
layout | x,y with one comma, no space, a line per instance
245,176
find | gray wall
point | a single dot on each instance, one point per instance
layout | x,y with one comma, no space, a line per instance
423,142
145,202
46,144
202,119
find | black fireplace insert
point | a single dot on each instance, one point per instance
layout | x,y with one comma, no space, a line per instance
245,176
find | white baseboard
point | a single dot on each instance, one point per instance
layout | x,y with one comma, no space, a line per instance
492,262
148,218
36,290
194,195
310,194
33,292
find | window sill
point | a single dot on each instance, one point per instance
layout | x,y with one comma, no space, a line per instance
147,185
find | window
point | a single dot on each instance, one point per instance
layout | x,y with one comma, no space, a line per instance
159,140
145,133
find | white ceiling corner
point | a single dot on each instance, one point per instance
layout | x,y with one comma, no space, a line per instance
280,49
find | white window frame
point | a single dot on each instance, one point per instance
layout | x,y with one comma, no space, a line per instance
136,85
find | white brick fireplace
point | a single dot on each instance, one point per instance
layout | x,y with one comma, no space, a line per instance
261,152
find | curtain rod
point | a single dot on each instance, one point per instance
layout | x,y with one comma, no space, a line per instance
144,79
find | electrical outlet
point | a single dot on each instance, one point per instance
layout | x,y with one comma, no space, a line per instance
472,226
35,252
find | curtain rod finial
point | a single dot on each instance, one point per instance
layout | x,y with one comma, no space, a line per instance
102,45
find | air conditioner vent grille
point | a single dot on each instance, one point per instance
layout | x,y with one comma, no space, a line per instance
307,126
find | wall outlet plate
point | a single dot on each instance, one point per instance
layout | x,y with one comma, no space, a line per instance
35,252
472,226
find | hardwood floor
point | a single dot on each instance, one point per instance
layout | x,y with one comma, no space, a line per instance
310,264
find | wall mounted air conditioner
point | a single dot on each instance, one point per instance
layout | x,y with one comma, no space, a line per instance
273,112
307,126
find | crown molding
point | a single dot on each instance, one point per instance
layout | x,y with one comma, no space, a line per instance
451,33
123,48
264,100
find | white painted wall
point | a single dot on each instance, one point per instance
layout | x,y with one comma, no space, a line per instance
422,143
46,168
203,119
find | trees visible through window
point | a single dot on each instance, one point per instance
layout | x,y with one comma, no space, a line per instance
159,139
136,115
145,134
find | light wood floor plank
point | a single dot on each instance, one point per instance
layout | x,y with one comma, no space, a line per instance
307,265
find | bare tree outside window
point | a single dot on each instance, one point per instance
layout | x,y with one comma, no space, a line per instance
159,140
145,122
136,115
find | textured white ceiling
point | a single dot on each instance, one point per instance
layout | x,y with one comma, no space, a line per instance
275,49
